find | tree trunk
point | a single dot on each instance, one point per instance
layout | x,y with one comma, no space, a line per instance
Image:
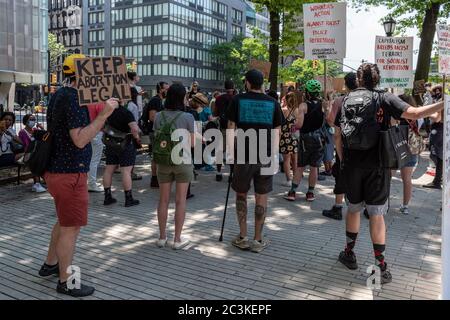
426,42
274,48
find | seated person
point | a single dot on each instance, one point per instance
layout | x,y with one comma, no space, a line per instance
8,136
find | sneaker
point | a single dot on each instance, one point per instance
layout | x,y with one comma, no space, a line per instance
109,200
95,188
84,290
180,245
47,270
386,276
135,177
432,185
288,183
258,246
290,196
161,243
348,260
404,210
154,184
310,196
241,243
219,177
131,202
366,214
335,213
38,188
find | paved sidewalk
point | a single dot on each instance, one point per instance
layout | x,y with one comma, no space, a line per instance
117,253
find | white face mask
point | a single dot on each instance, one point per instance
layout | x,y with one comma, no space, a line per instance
31,124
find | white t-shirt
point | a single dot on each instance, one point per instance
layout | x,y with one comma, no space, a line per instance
140,103
5,146
134,109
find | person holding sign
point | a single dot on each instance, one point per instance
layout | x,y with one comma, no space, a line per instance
66,176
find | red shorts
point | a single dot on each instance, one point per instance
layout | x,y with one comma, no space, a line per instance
70,192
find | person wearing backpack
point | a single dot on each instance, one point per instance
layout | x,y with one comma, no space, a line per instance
220,110
365,112
155,105
166,122
312,139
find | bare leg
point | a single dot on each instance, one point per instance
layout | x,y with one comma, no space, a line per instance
52,257
340,199
377,229
65,249
180,209
353,222
163,208
287,166
298,173
407,184
241,211
313,175
154,168
107,176
126,178
260,215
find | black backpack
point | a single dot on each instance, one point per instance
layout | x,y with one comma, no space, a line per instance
359,126
144,121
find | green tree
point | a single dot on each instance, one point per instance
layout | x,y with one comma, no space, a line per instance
56,49
423,14
236,55
283,12
303,70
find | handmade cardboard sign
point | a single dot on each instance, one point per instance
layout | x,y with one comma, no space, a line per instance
101,78
263,66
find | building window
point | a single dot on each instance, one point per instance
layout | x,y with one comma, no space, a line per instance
237,15
96,17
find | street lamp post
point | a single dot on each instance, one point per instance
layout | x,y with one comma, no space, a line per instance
389,26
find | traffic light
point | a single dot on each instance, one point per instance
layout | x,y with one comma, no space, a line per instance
53,79
315,64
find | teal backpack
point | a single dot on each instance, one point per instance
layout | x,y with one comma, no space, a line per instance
163,144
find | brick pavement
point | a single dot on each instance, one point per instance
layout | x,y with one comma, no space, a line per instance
117,253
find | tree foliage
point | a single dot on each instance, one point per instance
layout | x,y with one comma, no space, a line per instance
56,49
303,70
237,54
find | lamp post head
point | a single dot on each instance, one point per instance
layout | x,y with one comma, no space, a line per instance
389,26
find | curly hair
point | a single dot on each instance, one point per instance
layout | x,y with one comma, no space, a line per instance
292,100
368,76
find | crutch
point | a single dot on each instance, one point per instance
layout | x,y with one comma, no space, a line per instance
226,202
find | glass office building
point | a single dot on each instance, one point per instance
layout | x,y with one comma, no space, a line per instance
65,22
170,40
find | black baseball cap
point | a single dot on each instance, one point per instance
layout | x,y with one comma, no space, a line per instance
255,77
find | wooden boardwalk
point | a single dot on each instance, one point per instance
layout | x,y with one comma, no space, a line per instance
116,252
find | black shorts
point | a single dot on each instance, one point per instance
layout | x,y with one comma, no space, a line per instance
311,150
369,186
125,159
339,178
243,174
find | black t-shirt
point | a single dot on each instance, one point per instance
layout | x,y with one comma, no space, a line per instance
120,119
222,103
64,113
156,104
390,106
255,111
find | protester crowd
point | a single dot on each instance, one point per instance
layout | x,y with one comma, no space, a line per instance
341,133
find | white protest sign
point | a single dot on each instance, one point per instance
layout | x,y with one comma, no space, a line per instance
445,250
325,29
394,57
443,32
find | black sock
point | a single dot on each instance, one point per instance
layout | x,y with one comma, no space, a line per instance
129,194
108,191
351,241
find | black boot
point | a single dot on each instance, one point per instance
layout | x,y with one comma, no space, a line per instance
189,194
335,213
129,201
108,197
154,184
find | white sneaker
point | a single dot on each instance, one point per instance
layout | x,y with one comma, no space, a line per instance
256,246
161,243
404,210
288,184
180,245
95,188
38,188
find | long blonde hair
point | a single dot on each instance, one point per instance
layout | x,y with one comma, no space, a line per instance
292,101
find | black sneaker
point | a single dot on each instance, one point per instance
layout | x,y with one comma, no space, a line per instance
432,185
348,260
154,184
131,202
84,290
335,213
219,177
109,201
47,270
386,276
366,214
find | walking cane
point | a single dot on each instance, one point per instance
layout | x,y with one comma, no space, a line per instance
230,178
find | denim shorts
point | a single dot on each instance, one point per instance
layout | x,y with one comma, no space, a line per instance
413,162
